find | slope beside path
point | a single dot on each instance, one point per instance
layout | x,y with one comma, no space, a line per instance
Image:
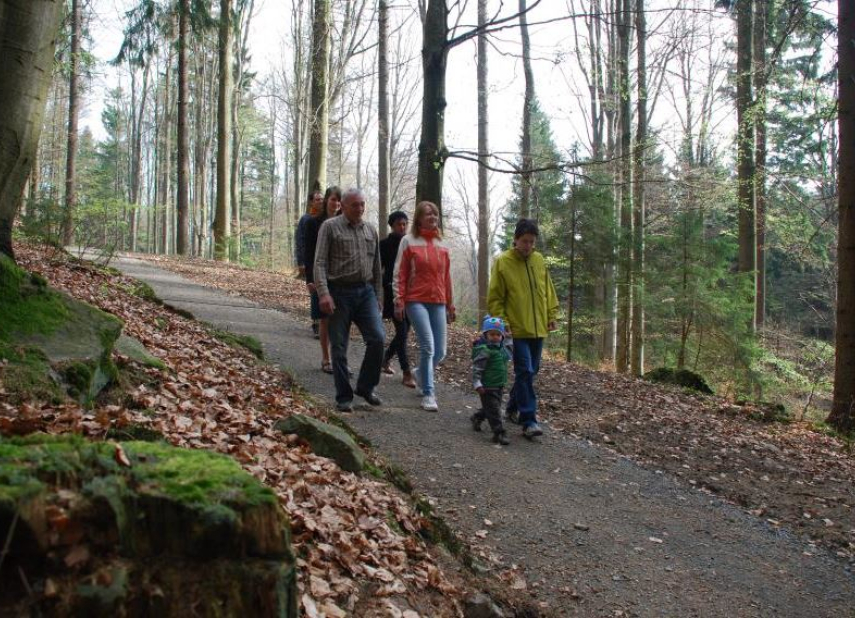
581,528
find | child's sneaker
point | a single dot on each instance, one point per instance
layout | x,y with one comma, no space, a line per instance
512,416
532,431
500,437
476,421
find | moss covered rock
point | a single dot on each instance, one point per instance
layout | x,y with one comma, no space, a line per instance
47,336
679,377
325,440
145,527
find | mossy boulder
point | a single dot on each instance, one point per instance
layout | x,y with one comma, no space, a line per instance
325,440
139,529
679,377
137,352
47,336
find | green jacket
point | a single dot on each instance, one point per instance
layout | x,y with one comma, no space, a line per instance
521,293
490,363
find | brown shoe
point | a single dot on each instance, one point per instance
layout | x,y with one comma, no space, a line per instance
387,369
408,380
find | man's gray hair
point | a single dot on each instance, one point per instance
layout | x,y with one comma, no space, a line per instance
351,194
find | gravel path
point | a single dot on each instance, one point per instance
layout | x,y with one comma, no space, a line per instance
585,531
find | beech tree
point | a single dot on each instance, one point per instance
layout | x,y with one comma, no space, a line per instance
222,218
73,118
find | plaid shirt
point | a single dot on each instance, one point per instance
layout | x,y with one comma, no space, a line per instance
347,253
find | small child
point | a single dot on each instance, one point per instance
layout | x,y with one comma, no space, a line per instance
490,355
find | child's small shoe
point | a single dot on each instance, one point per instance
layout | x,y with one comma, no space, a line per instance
476,421
500,437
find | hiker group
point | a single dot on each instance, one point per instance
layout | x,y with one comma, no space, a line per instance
355,278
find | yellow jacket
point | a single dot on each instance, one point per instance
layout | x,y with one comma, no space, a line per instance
521,293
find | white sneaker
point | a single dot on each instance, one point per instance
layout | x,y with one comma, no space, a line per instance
429,403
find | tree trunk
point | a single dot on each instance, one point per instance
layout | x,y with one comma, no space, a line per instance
182,235
528,102
760,25
638,214
224,135
166,158
432,151
319,141
28,31
73,117
624,278
383,116
842,417
745,138
483,158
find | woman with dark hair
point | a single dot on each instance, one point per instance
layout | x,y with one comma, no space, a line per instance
331,206
388,253
313,209
422,285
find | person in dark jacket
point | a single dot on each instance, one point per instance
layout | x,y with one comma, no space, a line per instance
388,252
313,210
330,208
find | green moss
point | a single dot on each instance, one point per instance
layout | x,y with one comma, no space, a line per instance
195,478
27,375
27,305
134,432
252,344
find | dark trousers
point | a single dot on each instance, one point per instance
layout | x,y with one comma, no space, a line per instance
522,398
355,305
398,344
491,408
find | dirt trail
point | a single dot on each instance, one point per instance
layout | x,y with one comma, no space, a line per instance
583,529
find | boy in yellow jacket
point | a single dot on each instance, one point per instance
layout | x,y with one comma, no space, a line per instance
522,294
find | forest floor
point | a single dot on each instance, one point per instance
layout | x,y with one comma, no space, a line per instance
640,500
636,493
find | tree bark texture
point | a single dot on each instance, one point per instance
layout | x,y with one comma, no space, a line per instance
528,102
166,160
483,158
73,117
760,26
28,32
432,151
222,215
182,232
638,195
383,116
624,278
745,136
842,416
319,137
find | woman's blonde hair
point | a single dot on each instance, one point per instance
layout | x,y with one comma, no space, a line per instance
421,209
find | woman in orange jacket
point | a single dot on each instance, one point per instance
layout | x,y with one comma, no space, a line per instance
422,290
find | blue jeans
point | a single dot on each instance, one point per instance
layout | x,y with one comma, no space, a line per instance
355,305
522,398
428,320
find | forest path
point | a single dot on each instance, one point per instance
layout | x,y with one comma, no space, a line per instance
586,531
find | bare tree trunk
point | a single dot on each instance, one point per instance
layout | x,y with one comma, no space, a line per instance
432,151
638,214
319,142
137,114
73,117
624,279
745,137
222,229
528,102
182,236
28,31
200,155
760,25
842,416
483,158
166,158
383,116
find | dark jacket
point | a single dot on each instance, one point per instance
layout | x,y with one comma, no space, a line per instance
310,245
388,253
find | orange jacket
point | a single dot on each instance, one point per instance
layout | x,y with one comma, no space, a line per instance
423,271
